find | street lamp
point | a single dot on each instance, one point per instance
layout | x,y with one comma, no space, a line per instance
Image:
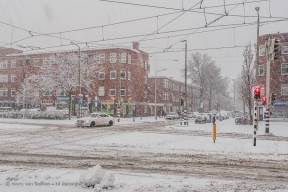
185,103
79,79
257,48
156,90
234,93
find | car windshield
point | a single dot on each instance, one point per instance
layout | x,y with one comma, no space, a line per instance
93,115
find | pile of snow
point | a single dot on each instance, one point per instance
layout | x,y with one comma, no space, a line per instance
96,177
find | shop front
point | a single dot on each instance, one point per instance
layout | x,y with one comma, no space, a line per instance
7,103
62,102
110,107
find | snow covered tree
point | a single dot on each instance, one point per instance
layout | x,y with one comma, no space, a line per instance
60,74
247,78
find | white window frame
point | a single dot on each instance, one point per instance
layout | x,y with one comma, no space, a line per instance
4,64
101,91
101,58
113,57
262,51
284,48
13,90
145,80
113,71
101,73
62,91
3,78
145,94
129,59
286,67
123,57
111,89
123,73
129,75
284,87
145,64
13,78
36,61
13,64
123,90
3,92
166,83
165,96
129,91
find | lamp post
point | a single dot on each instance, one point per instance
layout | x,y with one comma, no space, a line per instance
257,48
234,92
79,78
156,91
185,103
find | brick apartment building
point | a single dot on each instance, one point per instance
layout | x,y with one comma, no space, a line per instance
168,95
15,66
279,69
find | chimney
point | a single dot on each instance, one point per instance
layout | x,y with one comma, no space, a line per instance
135,45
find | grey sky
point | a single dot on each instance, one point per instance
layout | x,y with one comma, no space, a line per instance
49,16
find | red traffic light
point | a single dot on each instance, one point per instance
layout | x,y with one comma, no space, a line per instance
257,90
263,99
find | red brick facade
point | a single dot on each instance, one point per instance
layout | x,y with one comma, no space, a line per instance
279,67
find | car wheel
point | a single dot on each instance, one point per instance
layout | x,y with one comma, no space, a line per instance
110,123
92,124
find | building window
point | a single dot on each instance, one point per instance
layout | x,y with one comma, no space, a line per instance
101,58
101,75
284,89
145,94
261,50
165,96
101,91
60,92
284,48
13,78
13,92
122,91
46,61
284,69
129,59
3,78
129,75
113,74
3,64
145,80
129,91
13,64
112,91
123,57
113,58
145,64
166,83
123,74
261,70
3,92
47,93
36,63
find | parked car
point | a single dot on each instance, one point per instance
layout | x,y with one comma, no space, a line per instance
190,115
172,115
201,118
95,119
6,109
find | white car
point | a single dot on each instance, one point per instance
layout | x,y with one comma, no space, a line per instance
95,119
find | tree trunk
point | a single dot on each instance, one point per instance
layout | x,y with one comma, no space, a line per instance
70,105
250,111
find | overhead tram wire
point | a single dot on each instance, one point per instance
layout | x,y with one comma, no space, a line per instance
243,25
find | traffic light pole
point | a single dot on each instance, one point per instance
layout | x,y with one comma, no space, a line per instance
255,120
268,58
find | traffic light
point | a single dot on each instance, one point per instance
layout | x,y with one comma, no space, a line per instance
263,99
273,95
182,101
257,91
88,101
275,48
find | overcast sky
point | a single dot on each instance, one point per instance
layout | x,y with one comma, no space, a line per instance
55,16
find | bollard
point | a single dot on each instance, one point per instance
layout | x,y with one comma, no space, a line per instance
181,121
133,119
214,132
141,117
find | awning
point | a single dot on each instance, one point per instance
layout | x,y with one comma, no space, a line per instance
6,102
47,104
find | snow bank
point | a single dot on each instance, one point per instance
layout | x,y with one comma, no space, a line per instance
96,177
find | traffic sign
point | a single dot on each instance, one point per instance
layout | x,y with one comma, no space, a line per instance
95,101
201,100
80,102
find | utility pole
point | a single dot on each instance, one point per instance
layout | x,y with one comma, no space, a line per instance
257,48
268,47
185,84
79,79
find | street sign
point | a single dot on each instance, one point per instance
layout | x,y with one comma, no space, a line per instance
95,101
201,100
80,102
